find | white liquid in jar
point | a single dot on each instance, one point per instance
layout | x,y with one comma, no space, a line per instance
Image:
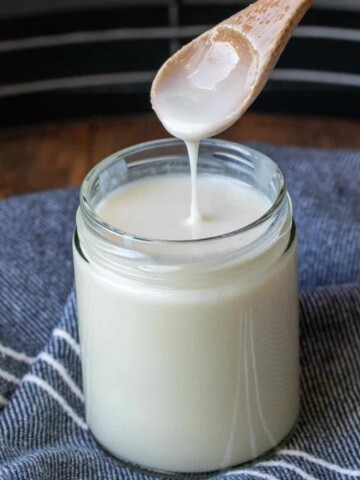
190,375
158,207
182,374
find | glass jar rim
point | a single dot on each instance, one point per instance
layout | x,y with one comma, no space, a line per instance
91,216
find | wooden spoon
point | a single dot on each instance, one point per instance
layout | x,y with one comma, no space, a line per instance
208,84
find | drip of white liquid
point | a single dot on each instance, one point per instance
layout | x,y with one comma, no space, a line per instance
193,152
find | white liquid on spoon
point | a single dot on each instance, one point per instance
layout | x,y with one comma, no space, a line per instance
195,95
203,90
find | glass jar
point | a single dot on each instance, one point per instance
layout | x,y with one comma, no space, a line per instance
190,350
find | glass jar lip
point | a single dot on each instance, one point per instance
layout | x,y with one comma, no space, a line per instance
90,213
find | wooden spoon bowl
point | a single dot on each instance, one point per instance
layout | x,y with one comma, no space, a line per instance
215,78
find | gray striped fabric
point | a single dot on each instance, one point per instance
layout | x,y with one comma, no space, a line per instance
43,433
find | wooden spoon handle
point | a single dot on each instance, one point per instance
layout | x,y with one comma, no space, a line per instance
268,24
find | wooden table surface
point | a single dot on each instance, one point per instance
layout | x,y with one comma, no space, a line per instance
59,155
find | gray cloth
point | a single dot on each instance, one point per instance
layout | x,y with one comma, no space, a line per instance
43,434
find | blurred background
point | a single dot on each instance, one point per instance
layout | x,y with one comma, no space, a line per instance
75,79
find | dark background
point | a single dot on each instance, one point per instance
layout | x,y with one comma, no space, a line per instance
74,59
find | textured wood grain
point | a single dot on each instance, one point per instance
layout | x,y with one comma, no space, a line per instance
59,155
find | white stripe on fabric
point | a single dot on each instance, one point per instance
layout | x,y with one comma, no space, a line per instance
21,357
323,463
288,466
3,401
58,332
63,373
316,76
9,377
253,473
57,397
